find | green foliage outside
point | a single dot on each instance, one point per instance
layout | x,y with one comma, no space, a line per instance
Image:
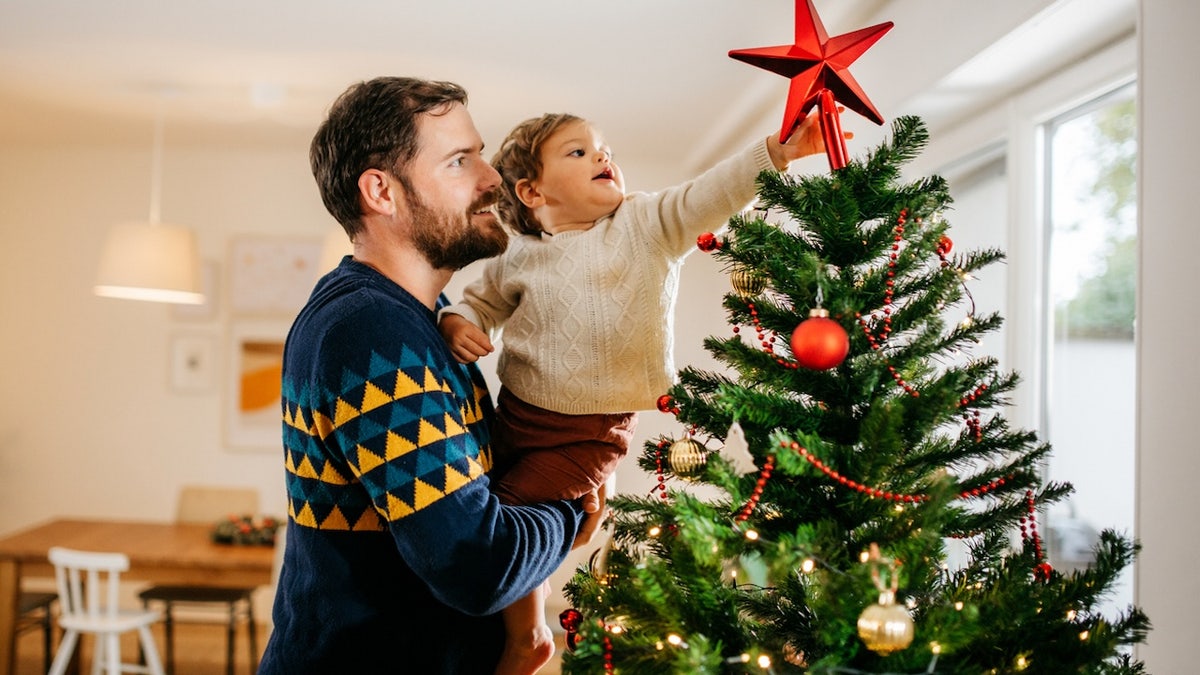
1104,307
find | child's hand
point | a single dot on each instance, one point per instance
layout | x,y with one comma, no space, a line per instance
467,342
594,506
806,140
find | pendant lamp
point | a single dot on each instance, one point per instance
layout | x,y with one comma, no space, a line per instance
151,260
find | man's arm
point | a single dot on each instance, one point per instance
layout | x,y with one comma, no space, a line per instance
411,424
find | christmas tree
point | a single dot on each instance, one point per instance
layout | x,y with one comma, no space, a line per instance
801,516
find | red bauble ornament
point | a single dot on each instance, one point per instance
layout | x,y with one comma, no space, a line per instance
570,619
666,403
944,244
820,343
819,69
707,242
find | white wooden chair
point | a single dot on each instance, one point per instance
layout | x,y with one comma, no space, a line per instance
88,593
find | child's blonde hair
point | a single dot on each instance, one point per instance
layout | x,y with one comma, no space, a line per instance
519,157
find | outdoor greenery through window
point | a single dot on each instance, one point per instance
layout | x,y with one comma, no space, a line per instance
1090,273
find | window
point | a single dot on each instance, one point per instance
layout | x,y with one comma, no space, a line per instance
1090,371
1045,174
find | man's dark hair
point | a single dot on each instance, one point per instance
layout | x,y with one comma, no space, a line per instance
372,125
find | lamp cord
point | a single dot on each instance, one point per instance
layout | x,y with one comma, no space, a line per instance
156,168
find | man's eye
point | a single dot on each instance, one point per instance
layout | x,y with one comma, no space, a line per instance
457,161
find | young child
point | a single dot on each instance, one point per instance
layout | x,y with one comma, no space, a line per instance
585,296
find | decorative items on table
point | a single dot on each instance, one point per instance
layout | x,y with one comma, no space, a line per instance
246,530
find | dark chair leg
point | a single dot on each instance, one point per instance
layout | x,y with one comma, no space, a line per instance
47,630
230,637
141,651
253,629
169,639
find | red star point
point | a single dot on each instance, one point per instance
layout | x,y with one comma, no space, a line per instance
817,62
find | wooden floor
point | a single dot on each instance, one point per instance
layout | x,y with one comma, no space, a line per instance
199,650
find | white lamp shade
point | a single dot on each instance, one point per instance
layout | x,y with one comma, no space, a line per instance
150,261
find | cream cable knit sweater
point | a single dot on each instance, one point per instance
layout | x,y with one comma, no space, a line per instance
586,318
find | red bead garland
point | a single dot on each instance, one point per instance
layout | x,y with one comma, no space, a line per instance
1029,533
884,494
876,341
763,476
661,486
768,345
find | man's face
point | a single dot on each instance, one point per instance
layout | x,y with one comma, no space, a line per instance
450,190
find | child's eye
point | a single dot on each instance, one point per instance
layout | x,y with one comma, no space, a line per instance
576,153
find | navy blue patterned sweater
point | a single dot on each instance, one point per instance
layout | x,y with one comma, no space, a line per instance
397,556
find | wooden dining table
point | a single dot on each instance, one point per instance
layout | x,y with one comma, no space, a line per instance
163,553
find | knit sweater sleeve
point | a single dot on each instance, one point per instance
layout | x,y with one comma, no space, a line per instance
677,215
385,433
484,303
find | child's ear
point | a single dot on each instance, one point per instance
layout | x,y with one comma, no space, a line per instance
528,193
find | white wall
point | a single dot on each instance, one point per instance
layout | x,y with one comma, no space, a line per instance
89,423
1169,94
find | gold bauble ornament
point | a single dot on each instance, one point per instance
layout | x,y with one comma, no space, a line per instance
885,627
687,458
747,283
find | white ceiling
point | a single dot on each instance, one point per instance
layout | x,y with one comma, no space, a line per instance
653,74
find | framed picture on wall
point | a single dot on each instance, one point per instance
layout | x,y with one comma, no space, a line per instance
192,362
253,410
271,275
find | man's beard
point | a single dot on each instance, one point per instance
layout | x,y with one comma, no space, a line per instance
451,241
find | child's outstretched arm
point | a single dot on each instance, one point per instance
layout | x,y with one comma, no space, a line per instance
807,140
468,343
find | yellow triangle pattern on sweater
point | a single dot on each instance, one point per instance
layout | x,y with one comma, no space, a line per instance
418,492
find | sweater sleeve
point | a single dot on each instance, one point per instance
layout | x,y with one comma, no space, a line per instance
390,435
483,302
677,215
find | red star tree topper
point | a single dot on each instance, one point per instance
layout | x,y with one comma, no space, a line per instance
818,67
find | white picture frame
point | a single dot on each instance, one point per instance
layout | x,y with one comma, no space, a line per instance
193,366
253,407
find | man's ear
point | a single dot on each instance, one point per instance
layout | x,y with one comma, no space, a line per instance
378,191
528,193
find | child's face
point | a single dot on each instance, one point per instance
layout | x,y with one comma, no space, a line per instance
579,181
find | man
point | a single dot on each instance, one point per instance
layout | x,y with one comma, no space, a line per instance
397,556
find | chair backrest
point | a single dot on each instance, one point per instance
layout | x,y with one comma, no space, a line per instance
207,504
88,581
